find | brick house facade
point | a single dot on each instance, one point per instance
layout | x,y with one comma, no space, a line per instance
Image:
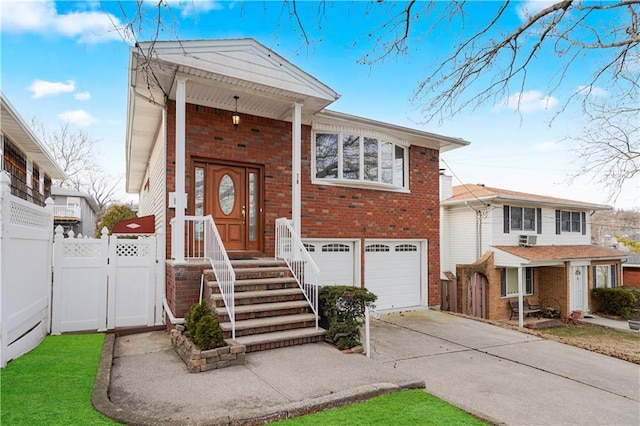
344,220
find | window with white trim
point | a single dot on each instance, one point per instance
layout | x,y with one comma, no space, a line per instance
604,276
522,219
29,173
1,152
571,221
354,158
41,181
509,282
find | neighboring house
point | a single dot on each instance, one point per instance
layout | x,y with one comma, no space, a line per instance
26,159
496,241
362,195
631,271
74,211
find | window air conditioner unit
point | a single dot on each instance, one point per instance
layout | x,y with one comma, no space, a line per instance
528,240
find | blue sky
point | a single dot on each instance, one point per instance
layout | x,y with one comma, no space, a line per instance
63,61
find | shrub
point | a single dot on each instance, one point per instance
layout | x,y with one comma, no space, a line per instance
204,330
197,311
342,311
617,301
208,334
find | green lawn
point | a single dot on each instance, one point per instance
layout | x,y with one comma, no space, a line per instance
413,407
52,384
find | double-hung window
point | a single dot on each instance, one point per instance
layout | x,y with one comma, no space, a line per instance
354,158
522,219
570,221
29,173
509,282
604,276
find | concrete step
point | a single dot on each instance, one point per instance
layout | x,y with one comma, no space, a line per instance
260,297
262,262
269,324
258,284
263,310
280,339
262,272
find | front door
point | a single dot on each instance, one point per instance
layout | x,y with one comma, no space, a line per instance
578,288
233,198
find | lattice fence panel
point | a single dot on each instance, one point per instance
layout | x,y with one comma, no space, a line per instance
26,216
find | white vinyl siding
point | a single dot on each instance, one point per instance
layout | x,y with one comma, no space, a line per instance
152,194
547,237
460,229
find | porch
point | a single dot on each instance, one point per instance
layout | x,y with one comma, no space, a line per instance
260,302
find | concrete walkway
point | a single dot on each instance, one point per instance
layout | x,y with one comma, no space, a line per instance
501,375
506,376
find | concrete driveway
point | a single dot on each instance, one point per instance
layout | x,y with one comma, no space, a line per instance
506,376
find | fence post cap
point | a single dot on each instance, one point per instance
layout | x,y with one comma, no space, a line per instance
104,231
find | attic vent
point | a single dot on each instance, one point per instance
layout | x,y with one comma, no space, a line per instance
528,240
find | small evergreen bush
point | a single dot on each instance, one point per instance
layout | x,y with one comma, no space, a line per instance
204,330
208,334
621,301
197,311
342,311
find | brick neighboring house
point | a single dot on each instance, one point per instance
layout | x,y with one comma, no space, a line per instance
26,160
363,195
495,240
631,271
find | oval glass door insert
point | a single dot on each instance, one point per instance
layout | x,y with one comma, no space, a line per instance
226,194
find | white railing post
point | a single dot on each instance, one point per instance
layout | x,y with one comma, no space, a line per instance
289,247
210,246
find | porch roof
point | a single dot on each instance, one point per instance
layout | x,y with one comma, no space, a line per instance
216,70
552,255
20,134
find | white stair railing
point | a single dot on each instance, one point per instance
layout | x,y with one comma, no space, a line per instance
289,247
204,241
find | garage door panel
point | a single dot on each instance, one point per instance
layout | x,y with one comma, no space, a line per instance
393,271
335,259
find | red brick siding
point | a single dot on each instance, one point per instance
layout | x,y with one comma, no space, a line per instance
327,211
631,277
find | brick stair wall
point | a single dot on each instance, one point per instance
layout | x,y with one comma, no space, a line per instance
271,310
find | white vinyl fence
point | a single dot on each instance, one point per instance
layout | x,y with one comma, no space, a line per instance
103,283
25,273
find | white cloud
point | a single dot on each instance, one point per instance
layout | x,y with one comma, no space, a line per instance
530,101
82,96
548,146
527,9
78,117
596,91
41,88
188,8
42,17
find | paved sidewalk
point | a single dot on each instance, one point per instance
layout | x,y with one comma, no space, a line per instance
501,375
148,384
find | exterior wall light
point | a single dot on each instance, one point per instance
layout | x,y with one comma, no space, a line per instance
235,118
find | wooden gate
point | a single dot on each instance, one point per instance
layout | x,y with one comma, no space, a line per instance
104,283
477,296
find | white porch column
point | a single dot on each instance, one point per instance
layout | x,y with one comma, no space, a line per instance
177,229
520,298
296,142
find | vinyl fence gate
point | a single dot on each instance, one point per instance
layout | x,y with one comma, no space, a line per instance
105,283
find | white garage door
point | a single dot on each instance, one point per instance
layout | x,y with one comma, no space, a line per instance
335,260
393,271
